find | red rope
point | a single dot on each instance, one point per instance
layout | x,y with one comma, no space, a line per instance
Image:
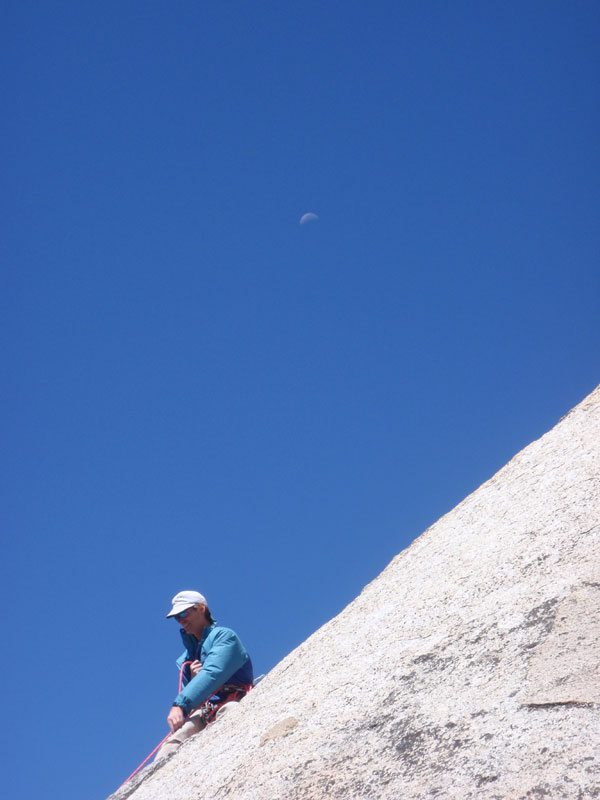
183,666
162,741
145,761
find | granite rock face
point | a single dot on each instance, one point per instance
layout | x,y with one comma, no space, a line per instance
470,668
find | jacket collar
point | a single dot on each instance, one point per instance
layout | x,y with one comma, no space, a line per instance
191,643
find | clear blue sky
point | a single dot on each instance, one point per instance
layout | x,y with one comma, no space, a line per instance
199,392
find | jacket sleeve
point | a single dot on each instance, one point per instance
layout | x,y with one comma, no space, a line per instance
224,657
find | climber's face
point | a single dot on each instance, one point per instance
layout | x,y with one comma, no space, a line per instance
193,619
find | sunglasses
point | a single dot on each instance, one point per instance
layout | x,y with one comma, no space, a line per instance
182,614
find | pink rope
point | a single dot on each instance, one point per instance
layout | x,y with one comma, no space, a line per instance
162,741
183,666
145,761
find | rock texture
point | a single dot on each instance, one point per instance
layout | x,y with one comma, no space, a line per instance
468,669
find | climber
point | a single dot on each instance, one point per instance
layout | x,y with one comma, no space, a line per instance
215,668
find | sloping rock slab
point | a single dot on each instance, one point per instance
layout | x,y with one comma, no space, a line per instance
467,669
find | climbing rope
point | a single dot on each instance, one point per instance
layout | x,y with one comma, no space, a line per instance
162,741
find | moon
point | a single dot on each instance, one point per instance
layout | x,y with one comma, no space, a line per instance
309,217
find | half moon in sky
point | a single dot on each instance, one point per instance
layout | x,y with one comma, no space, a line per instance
307,218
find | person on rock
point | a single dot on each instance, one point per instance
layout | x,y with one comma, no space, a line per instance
215,669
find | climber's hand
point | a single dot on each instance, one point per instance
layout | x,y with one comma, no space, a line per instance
176,718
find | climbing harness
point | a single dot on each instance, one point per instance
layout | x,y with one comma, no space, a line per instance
229,692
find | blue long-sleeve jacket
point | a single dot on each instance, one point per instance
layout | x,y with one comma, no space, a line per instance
224,660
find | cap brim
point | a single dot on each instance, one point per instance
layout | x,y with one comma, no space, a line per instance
179,608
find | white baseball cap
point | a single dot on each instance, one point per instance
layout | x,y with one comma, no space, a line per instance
183,600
